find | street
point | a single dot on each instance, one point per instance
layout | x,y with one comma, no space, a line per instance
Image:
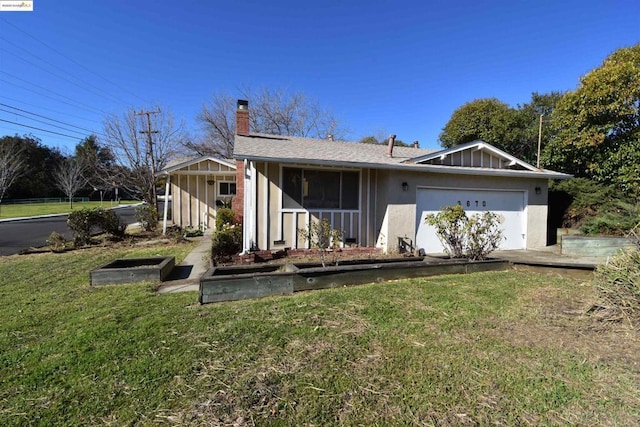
18,235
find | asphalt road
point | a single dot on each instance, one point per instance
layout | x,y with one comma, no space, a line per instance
18,235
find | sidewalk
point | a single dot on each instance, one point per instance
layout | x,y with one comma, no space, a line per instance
186,275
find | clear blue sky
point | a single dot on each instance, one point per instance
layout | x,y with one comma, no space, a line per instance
386,66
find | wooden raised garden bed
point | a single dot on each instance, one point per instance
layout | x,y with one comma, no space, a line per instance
594,246
130,270
243,282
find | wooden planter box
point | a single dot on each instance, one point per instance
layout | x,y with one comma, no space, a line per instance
593,246
130,270
243,282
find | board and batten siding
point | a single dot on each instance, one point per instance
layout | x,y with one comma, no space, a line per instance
277,227
194,193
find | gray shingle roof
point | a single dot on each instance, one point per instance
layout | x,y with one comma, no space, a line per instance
296,149
288,149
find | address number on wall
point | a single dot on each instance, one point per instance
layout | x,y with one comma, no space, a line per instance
473,203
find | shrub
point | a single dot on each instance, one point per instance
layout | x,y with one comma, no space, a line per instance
321,236
110,223
594,208
226,243
619,284
193,232
463,237
85,221
57,242
82,222
147,216
224,216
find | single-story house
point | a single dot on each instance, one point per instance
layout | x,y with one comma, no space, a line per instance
377,195
198,187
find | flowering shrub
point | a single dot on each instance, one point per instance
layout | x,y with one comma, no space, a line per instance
463,237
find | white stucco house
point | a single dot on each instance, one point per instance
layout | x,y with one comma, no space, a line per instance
378,195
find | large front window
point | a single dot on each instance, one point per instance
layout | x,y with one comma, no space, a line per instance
320,189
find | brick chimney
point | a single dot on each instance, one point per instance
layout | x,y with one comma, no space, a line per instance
416,144
242,118
392,139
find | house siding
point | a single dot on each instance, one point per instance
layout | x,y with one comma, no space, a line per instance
399,207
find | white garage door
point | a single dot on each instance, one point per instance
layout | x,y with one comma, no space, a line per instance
508,205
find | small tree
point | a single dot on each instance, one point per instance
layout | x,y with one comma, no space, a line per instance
69,177
463,237
321,236
12,165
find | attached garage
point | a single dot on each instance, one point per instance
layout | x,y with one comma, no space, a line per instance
509,205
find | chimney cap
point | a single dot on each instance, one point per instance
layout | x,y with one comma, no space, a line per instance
243,104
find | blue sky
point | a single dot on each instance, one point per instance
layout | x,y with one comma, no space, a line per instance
383,66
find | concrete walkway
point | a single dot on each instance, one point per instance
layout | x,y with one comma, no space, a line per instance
186,275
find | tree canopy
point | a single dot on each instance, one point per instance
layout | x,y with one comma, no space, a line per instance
514,130
599,124
275,112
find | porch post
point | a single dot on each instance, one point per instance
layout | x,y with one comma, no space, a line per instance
166,205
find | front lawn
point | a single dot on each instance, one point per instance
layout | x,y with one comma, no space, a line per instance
20,210
508,348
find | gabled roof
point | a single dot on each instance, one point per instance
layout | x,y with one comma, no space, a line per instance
322,152
185,162
480,151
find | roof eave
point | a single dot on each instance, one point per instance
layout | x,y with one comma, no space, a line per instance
544,174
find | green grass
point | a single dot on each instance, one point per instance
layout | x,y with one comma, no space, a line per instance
34,209
487,348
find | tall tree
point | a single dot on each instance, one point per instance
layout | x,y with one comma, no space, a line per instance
12,164
40,161
99,162
530,113
514,130
141,145
274,112
599,124
69,177
488,119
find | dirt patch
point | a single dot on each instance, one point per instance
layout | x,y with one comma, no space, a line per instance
561,319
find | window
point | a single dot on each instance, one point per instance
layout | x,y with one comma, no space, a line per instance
227,188
319,189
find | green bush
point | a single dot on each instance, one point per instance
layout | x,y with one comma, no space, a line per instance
463,237
226,243
84,222
147,216
595,208
224,216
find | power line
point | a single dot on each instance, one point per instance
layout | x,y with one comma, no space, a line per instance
44,88
40,129
45,117
74,61
90,87
49,109
42,121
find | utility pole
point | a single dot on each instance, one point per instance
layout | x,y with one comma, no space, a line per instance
150,153
539,139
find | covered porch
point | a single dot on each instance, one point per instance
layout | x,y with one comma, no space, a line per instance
195,189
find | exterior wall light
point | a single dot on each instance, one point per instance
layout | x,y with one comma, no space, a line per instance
405,186
538,190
